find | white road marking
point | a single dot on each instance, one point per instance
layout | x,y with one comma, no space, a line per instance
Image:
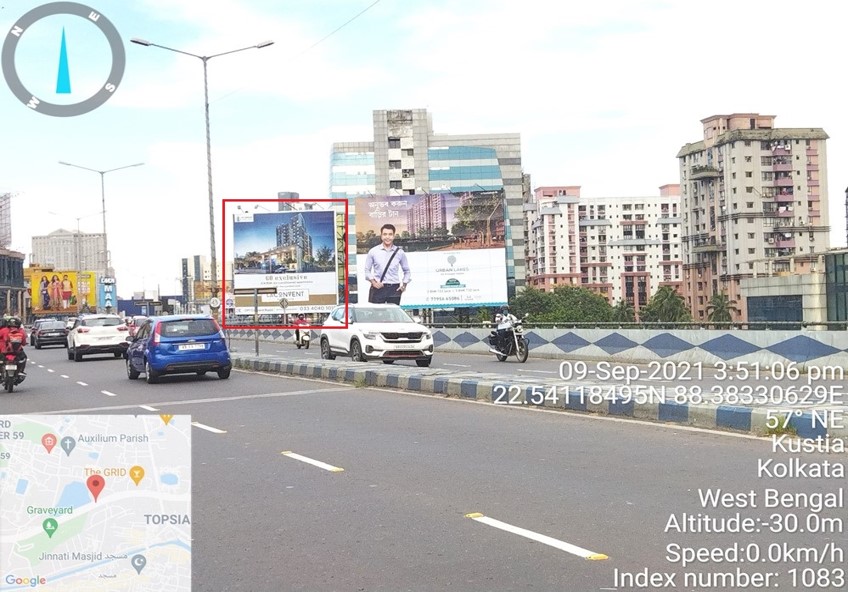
65,376
458,365
109,394
148,408
81,383
208,428
540,538
536,371
39,365
312,461
51,370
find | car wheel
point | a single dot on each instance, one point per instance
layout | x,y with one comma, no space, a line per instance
423,363
326,353
119,354
37,345
224,374
388,361
356,351
77,356
132,373
70,353
201,372
151,376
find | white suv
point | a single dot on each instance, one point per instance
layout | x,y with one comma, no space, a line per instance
376,332
97,334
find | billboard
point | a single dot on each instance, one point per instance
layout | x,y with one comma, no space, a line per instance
455,245
62,292
294,253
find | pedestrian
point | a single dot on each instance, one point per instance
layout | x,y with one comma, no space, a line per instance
383,268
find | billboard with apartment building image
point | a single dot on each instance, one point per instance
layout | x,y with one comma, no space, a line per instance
455,244
294,252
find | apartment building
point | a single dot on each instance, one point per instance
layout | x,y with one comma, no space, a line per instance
754,203
623,248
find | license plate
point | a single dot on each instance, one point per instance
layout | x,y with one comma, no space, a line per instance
11,367
191,346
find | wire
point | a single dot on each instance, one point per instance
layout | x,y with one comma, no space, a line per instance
324,38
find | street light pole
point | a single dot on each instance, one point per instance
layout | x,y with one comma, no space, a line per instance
213,264
103,203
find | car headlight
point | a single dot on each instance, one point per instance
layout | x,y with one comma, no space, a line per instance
427,335
370,335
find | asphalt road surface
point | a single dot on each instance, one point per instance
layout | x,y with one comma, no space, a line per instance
440,494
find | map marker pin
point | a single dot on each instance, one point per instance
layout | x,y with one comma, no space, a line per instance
50,525
68,444
48,441
137,474
166,419
95,485
138,562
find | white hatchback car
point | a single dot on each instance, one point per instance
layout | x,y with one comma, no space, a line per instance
97,334
376,332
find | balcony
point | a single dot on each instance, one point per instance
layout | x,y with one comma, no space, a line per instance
813,182
785,197
787,167
785,213
706,246
782,243
783,181
704,172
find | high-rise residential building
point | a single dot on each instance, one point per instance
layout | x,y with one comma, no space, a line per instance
754,202
406,157
623,248
63,249
5,219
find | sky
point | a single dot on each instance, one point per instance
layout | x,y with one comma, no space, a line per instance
604,94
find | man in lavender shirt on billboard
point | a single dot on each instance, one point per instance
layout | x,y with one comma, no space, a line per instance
387,284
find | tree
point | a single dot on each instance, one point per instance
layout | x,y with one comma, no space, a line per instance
721,310
324,256
565,304
666,306
623,312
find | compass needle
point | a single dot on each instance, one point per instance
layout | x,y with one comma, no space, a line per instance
63,82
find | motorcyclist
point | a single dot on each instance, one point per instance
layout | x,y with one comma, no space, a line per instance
13,332
300,321
504,320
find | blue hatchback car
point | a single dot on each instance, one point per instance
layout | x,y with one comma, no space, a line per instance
178,344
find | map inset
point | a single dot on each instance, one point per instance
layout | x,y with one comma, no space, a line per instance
95,503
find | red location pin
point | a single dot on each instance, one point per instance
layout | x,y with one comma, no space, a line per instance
95,485
48,441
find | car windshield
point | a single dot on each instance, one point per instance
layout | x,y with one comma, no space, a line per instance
381,315
189,328
101,322
51,325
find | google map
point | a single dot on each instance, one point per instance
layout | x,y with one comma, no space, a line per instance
95,503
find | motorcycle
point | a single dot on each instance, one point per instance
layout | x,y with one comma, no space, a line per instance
11,373
304,339
514,343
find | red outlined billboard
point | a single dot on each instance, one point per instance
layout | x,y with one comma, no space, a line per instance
284,262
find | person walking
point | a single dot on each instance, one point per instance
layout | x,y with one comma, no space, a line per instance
387,269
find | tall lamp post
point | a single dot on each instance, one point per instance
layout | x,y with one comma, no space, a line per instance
103,202
205,59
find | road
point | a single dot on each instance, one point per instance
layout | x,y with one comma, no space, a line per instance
414,467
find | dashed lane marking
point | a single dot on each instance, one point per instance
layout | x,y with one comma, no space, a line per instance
148,408
81,383
312,461
208,428
107,393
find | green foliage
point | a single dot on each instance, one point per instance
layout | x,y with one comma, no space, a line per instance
665,306
623,312
721,309
565,304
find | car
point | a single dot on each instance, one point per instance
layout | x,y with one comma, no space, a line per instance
178,344
50,333
134,323
35,326
97,334
69,323
376,332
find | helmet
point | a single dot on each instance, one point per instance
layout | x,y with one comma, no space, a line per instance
14,322
505,309
301,316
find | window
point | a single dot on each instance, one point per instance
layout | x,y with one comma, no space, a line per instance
408,152
749,204
394,142
767,176
751,235
752,251
749,190
747,159
749,174
394,184
394,164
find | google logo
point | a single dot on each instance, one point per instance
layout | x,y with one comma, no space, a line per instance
31,582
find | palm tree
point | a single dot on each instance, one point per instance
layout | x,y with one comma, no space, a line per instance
623,312
721,310
666,306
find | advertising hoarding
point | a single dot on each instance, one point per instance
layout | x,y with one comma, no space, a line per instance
454,243
294,252
62,292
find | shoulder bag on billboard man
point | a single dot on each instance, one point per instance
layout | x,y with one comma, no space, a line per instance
374,292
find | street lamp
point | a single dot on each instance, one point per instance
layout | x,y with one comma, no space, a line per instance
205,59
103,201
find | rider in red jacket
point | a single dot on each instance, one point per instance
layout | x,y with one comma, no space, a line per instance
300,321
12,332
